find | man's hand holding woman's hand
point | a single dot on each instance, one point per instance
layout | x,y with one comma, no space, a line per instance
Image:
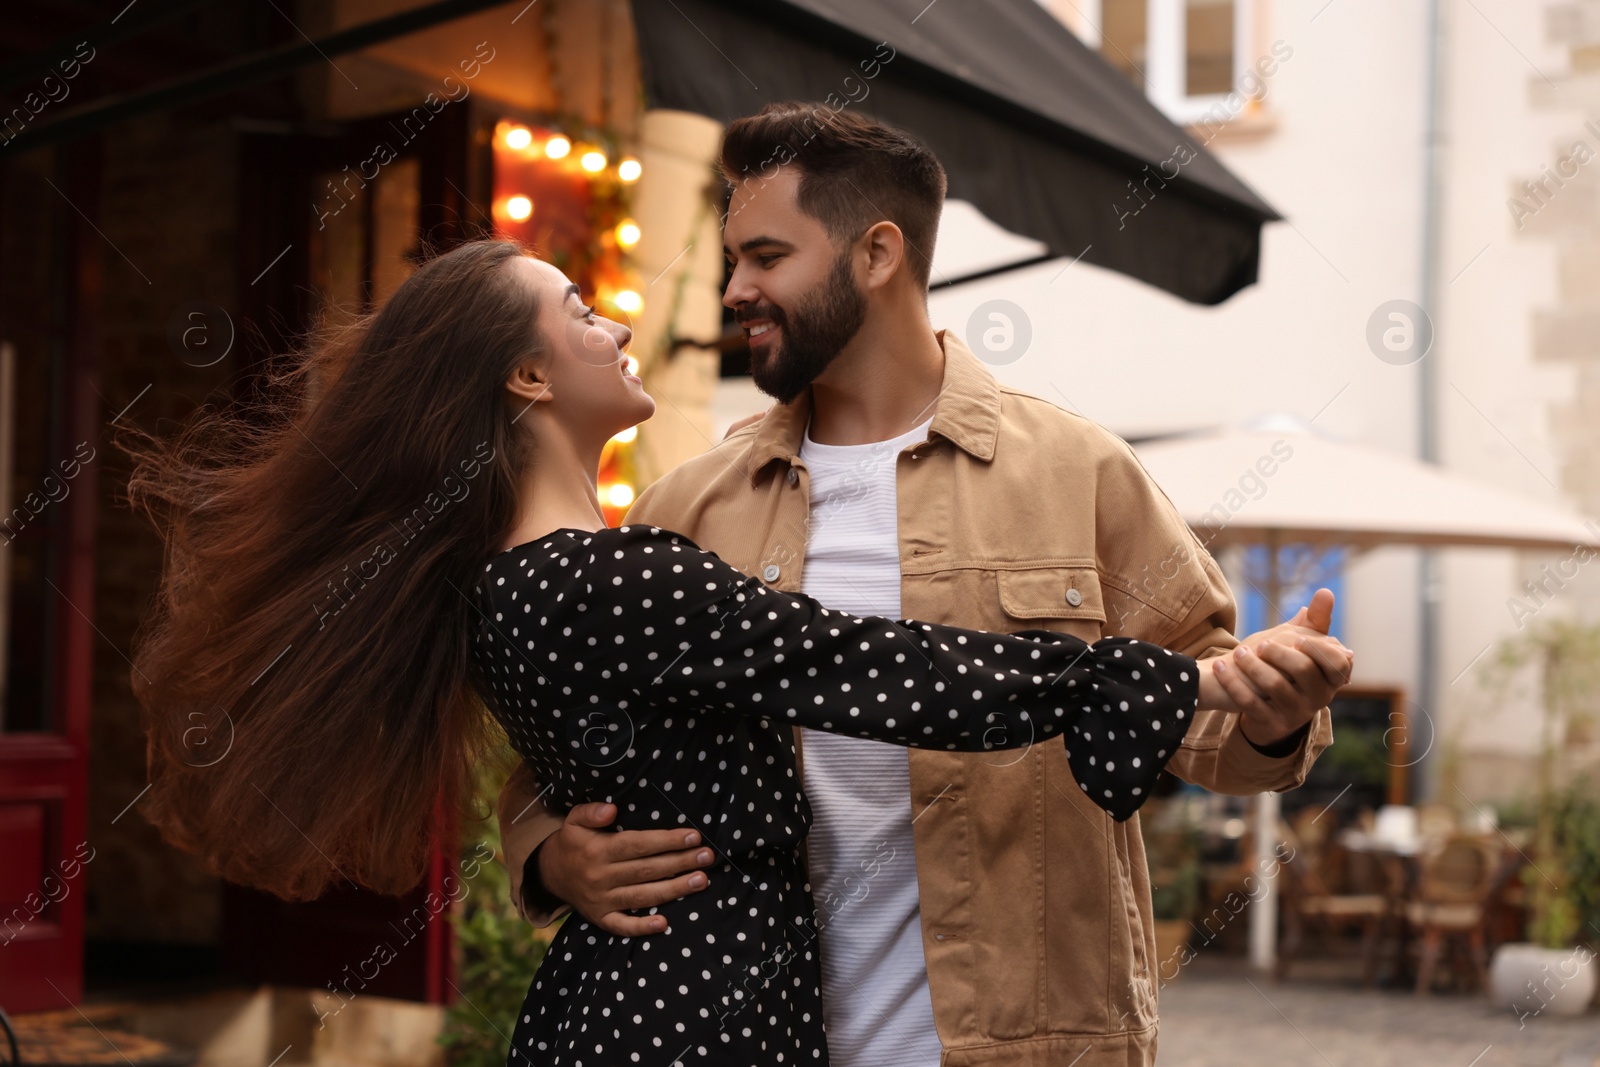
1278,678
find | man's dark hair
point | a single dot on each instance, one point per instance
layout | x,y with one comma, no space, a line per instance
854,171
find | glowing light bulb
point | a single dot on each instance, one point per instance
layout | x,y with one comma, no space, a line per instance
633,368
619,495
629,301
629,170
519,137
627,233
557,147
593,162
626,435
519,208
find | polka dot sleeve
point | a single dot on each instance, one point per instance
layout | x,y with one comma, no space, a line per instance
685,628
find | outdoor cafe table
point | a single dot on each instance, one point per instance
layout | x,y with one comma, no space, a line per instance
1397,862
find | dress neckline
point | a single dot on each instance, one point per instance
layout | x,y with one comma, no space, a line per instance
542,537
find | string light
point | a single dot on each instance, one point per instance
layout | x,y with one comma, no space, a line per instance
518,146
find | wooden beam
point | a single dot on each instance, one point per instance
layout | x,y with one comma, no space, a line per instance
241,71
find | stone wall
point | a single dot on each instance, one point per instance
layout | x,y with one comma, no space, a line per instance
1568,217
1555,208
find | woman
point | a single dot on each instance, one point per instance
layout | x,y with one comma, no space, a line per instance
348,585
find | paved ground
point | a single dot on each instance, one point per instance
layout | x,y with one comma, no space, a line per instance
1217,1013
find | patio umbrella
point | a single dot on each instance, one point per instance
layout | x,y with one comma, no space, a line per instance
1032,126
1323,490
1277,481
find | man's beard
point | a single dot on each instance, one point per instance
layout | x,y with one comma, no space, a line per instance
812,336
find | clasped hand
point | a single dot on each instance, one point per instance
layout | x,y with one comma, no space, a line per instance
1277,679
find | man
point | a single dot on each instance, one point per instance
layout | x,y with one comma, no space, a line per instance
974,908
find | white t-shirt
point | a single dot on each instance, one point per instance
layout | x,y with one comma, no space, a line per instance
876,1003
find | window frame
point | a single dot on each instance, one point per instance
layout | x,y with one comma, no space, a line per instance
1167,58
1166,67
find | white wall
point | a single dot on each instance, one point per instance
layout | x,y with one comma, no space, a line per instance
1339,151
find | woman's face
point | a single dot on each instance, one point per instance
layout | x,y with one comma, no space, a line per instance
587,386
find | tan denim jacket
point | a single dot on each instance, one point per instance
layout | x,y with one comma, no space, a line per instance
1015,513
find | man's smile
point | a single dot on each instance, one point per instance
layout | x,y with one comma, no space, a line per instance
760,331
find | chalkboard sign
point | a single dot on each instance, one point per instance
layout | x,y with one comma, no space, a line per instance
1377,739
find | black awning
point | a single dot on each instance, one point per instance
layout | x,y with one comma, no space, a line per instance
1032,126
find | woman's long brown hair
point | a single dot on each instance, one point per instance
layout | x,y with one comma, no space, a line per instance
304,670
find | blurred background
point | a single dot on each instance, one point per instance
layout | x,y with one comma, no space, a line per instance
1332,267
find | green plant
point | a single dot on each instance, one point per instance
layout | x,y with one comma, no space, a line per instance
1363,756
1575,855
497,951
1178,892
1565,656
1172,842
1517,816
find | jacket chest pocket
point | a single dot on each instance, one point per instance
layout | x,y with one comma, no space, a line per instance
1064,598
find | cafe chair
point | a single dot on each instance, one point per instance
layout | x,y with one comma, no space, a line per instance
1308,902
1453,886
11,1040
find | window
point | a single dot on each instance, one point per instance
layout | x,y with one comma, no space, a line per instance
1187,55
1302,570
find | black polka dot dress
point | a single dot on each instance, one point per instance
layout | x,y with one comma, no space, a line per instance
632,667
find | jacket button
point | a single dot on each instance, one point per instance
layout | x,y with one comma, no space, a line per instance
770,572
794,476
1074,597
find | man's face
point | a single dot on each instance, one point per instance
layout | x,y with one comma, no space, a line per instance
791,289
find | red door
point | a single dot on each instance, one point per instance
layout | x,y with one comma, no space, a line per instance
49,456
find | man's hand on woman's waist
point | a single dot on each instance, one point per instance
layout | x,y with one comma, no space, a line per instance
604,873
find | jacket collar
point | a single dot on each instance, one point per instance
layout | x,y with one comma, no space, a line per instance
966,412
